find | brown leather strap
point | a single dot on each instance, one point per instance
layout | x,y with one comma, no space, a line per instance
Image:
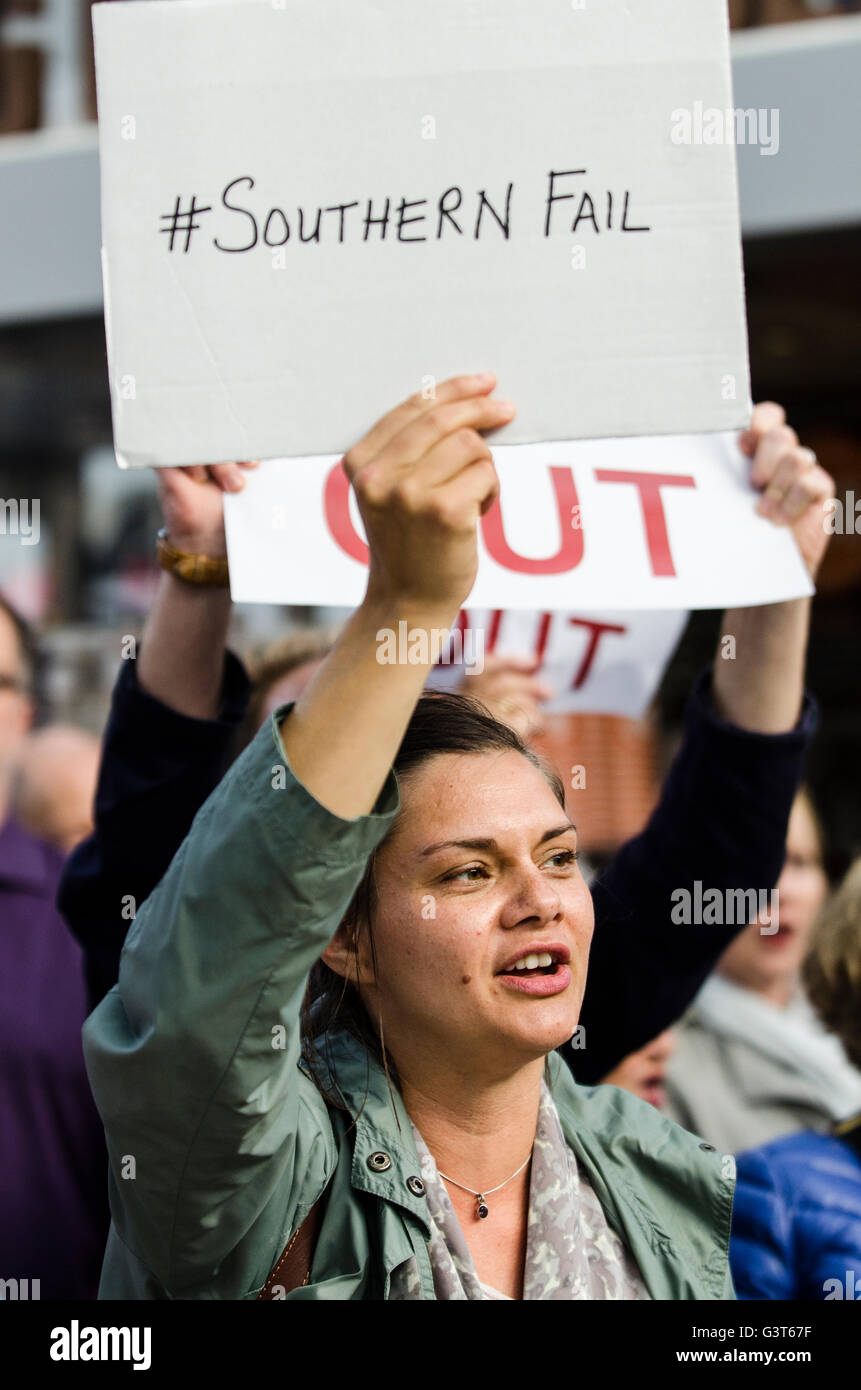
294,1267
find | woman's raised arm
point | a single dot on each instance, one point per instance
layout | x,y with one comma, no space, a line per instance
422,477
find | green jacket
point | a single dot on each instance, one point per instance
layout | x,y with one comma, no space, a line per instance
219,1141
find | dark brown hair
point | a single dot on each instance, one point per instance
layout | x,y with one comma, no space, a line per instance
441,723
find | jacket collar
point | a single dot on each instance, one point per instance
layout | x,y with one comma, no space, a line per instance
385,1161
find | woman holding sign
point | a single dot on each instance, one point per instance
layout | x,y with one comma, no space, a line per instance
411,1134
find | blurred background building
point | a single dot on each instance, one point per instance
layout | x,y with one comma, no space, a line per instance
89,578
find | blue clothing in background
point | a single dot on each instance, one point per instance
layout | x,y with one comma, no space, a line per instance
796,1230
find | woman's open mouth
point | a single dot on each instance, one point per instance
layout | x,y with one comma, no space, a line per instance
776,938
538,973
653,1091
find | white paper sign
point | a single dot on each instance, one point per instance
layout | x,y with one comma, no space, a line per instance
313,210
607,523
598,662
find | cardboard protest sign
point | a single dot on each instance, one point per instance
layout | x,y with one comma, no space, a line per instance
311,211
608,663
608,523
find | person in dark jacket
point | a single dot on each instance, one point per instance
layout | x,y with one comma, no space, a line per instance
797,1217
722,817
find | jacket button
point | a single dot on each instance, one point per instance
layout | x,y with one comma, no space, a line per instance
378,1162
708,1148
416,1186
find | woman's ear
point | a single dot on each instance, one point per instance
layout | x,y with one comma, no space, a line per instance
341,955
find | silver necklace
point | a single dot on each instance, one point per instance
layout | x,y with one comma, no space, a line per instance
481,1208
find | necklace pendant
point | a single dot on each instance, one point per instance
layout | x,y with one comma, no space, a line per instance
481,1207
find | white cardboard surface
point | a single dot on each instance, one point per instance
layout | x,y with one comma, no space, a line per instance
596,662
560,537
297,349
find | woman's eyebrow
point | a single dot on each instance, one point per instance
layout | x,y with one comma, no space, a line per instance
557,831
490,846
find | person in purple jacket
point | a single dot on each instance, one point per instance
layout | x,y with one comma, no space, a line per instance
53,1203
721,820
797,1220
